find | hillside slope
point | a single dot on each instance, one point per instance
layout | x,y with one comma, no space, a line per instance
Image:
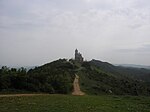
135,73
96,77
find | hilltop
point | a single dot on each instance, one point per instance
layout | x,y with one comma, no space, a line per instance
96,77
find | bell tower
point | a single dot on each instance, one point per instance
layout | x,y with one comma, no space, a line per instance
78,56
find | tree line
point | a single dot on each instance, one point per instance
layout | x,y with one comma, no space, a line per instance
50,78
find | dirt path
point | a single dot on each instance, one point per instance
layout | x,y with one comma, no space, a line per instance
76,87
12,95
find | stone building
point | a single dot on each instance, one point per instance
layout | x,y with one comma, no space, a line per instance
78,56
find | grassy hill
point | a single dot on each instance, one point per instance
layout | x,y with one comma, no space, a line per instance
96,77
142,74
104,78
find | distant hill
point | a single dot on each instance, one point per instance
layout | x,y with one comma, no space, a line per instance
133,66
141,74
29,67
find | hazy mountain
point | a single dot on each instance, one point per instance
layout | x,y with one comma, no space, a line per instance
142,74
133,66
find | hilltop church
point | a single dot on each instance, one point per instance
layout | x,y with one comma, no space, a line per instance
78,56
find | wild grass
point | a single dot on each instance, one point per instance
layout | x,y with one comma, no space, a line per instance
68,103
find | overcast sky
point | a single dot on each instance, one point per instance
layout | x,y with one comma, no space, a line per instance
34,32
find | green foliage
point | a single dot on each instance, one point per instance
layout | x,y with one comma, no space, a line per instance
12,78
96,77
55,77
135,73
58,75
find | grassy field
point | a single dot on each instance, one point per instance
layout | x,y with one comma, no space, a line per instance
68,103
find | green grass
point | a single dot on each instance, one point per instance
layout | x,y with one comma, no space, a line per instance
68,103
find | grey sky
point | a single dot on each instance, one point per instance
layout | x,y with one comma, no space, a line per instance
34,32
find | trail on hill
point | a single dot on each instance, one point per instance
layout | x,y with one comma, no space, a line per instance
76,87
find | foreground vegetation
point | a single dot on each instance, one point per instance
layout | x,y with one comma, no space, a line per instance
68,103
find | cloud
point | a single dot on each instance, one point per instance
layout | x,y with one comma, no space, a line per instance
97,27
141,49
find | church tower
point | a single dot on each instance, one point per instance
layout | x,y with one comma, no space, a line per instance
78,56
